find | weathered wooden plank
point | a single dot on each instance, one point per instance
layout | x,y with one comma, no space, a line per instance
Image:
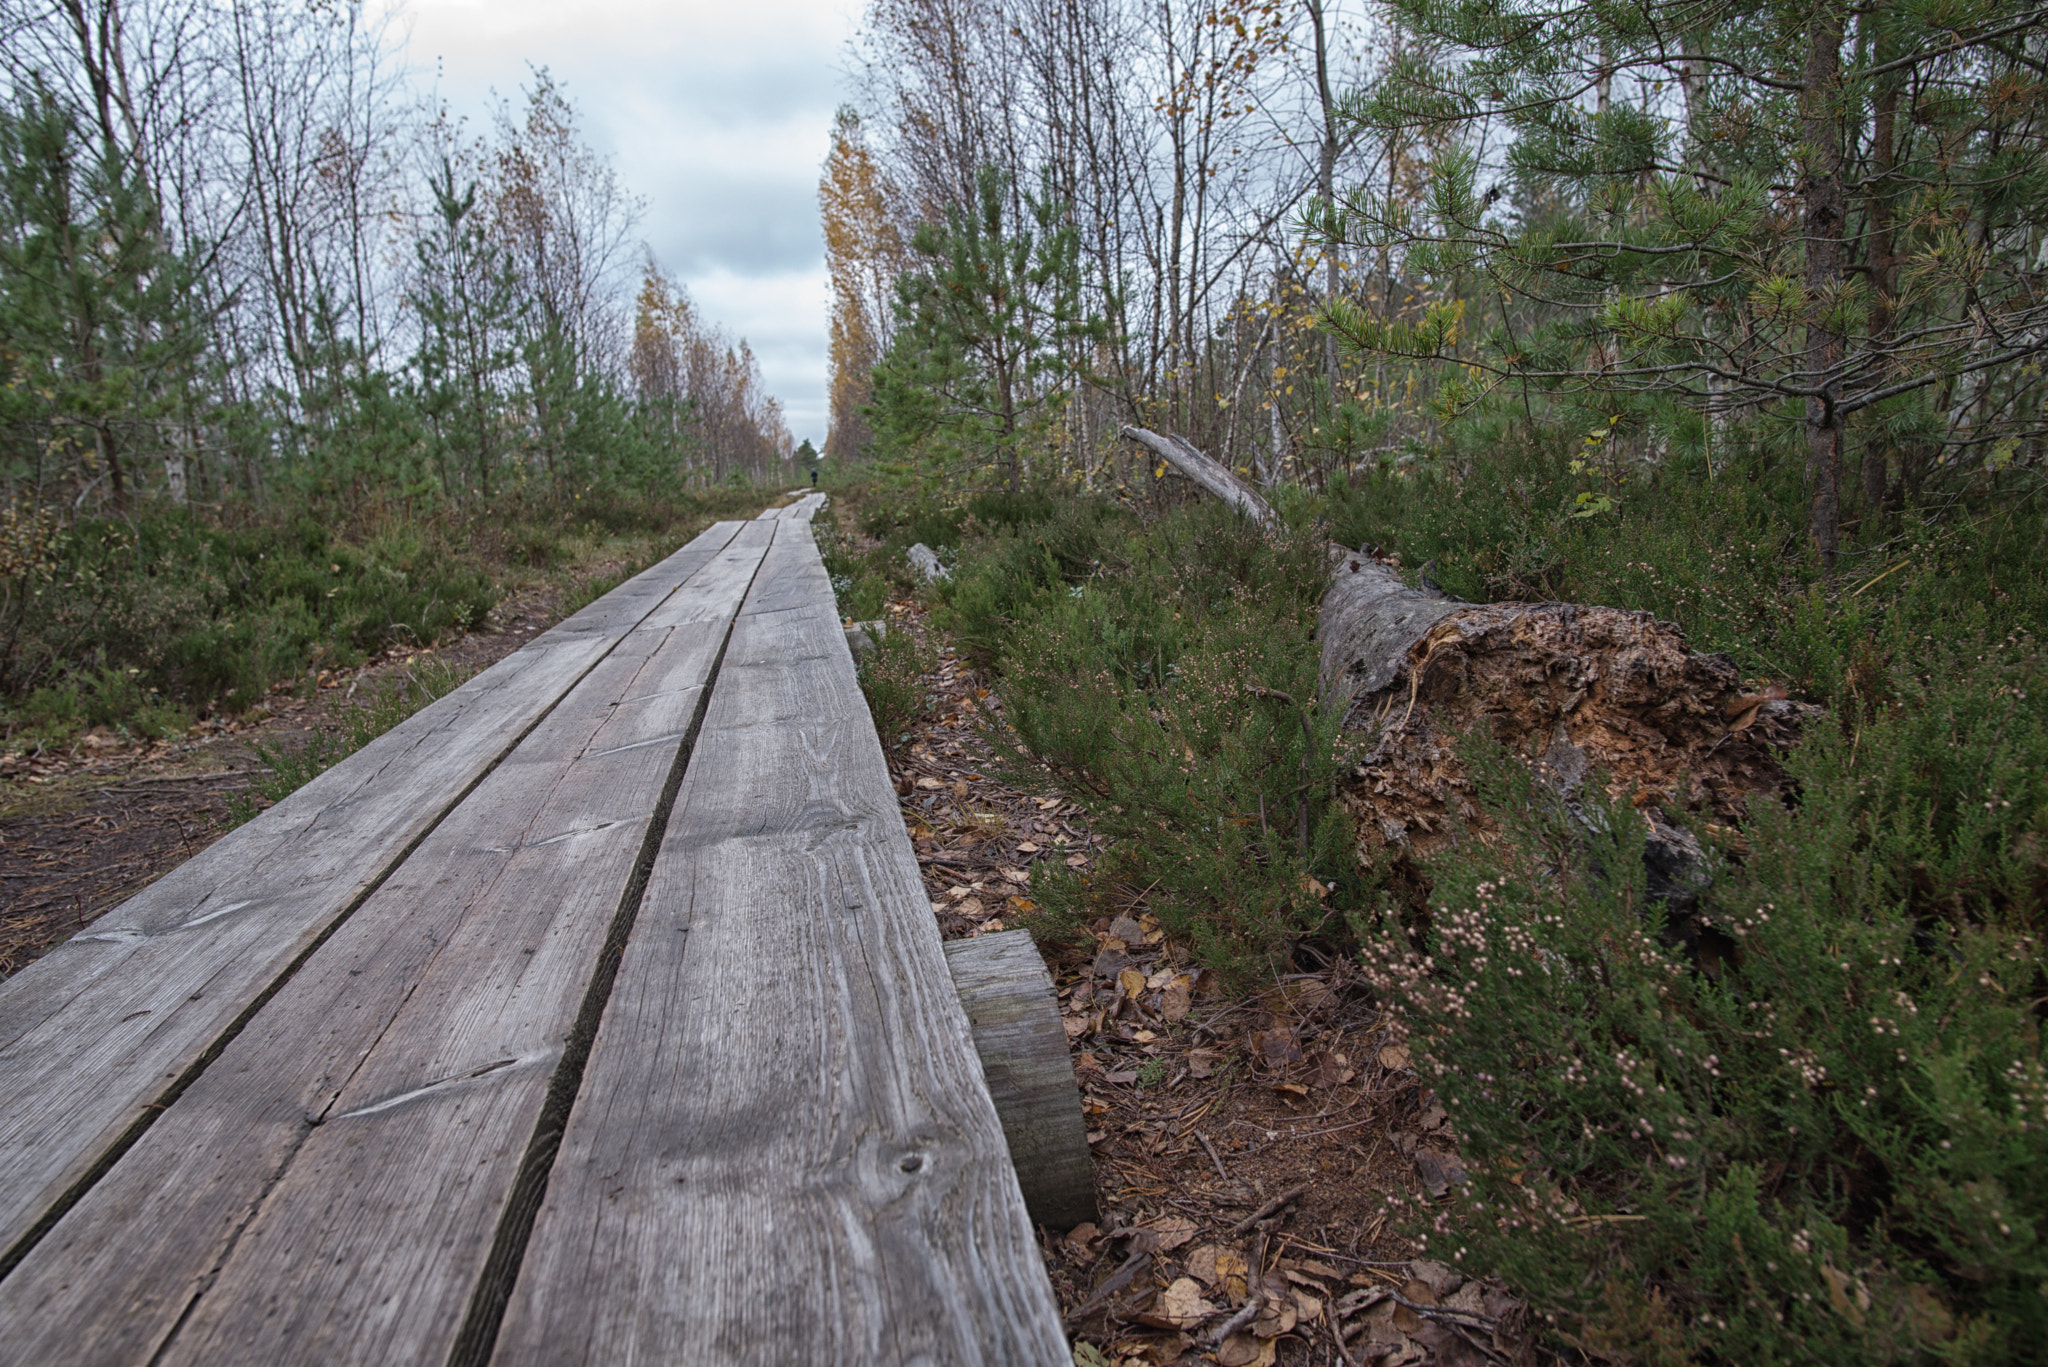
783,1151
1015,1016
803,510
329,1188
99,1030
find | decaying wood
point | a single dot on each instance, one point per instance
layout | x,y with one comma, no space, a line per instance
1575,690
1210,475
1009,1000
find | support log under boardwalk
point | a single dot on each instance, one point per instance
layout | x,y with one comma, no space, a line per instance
1573,689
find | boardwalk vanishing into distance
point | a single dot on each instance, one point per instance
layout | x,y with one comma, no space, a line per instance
595,1014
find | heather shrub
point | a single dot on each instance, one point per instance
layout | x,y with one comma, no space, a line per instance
1165,674
894,673
1817,1134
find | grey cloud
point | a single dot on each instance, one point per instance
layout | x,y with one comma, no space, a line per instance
724,222
718,119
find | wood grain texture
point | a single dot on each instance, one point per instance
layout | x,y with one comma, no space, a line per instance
1015,1016
783,1151
335,1175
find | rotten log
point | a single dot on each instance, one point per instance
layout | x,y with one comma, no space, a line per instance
1574,689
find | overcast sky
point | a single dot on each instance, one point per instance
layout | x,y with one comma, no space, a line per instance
716,113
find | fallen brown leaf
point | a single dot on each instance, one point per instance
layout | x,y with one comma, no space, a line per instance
1243,1350
1201,1262
1278,1046
1180,1306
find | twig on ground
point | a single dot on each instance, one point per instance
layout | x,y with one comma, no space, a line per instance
1291,1194
1210,1149
1459,1328
1444,1313
1118,1280
1246,1313
1337,1340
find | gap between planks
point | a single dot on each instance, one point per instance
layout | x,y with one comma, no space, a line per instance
186,932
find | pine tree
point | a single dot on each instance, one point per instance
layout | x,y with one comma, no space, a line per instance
470,311
985,326
100,341
1792,213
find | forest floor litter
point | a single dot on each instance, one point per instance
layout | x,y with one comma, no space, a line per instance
1245,1150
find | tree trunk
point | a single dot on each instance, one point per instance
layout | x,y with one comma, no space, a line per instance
1820,134
1212,478
1883,262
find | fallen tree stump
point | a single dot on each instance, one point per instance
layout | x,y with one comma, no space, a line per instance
1574,690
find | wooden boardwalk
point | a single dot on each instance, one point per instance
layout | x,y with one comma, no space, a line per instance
593,1015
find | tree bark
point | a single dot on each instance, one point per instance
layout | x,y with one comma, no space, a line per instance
1820,134
1326,179
1883,259
1206,473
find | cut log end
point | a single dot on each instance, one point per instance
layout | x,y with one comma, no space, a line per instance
861,637
1015,1017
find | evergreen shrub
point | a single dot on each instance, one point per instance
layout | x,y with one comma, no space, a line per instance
1823,1137
894,675
1165,673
